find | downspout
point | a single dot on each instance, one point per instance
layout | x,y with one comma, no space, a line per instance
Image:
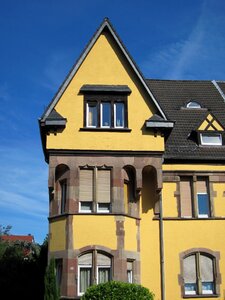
161,238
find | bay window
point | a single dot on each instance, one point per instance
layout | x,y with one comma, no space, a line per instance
95,190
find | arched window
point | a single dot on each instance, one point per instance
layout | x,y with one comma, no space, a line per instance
199,274
129,186
93,268
193,104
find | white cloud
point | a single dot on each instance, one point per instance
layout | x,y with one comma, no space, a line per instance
23,189
198,56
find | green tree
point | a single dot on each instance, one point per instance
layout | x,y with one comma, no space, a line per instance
115,290
51,288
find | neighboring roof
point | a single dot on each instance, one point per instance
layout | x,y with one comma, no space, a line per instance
22,238
106,25
172,96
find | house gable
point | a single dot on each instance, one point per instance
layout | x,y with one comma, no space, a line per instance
104,63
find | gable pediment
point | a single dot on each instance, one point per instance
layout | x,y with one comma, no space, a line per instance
210,123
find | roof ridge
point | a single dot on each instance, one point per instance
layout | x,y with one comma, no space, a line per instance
179,80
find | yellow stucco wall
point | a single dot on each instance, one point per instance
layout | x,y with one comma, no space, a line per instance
57,235
219,199
193,167
150,260
130,228
88,230
105,65
169,200
179,237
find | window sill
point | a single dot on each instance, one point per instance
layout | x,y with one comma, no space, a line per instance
201,296
105,129
189,219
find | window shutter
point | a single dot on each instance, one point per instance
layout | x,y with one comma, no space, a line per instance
85,259
206,268
185,197
103,186
129,265
86,185
202,186
103,260
190,269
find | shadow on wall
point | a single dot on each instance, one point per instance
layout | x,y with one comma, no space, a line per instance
149,190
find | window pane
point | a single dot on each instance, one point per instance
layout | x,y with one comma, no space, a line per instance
203,205
106,114
190,288
190,269
103,275
119,115
206,267
186,197
92,114
214,139
63,196
129,276
103,207
86,206
207,287
85,279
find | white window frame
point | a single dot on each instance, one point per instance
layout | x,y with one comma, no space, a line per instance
114,108
219,143
101,115
78,278
203,215
85,210
103,211
87,115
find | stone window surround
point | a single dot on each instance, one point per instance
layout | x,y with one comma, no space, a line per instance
213,254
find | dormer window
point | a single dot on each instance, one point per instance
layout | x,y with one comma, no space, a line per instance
193,104
105,107
211,139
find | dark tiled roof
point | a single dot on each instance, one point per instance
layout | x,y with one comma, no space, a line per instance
172,96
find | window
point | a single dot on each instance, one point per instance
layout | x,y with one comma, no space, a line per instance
91,114
63,185
194,204
93,268
211,139
198,274
128,187
106,111
130,271
58,269
95,190
193,104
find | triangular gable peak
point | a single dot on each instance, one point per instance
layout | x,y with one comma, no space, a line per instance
106,25
210,123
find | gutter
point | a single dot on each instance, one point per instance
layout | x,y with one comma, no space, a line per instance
161,245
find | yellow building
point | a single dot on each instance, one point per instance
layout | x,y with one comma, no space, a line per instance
136,177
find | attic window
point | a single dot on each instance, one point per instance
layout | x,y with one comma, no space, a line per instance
193,104
211,139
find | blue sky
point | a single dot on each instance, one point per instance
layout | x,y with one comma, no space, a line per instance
40,41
